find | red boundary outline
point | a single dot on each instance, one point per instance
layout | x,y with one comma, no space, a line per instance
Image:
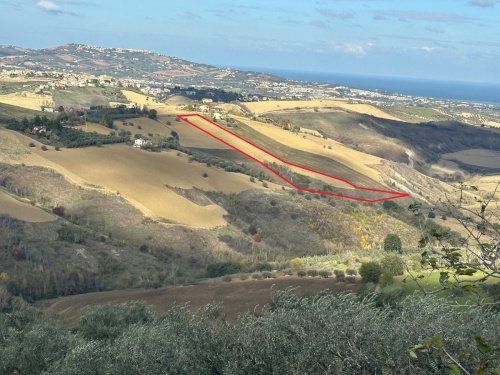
394,194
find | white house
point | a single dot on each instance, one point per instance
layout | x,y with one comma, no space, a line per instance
139,142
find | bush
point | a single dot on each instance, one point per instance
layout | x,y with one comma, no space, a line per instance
244,276
221,269
390,295
57,148
144,248
205,175
263,267
350,279
389,205
44,148
393,265
227,279
312,273
386,279
59,211
252,229
257,276
351,272
301,273
431,215
339,275
297,263
268,275
324,274
370,272
31,144
392,242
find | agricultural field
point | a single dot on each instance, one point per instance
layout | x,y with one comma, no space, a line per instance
150,102
92,127
141,177
476,157
79,97
236,297
8,112
26,99
22,210
316,144
274,106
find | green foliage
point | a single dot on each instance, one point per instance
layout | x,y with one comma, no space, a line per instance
389,205
392,242
263,267
312,273
301,273
221,269
339,275
370,272
108,322
392,264
289,338
325,273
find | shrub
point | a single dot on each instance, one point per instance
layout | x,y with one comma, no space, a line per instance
351,272
31,144
301,273
325,274
257,276
370,272
59,211
393,265
227,279
390,295
44,148
389,205
392,242
57,148
386,279
252,179
244,276
312,273
264,184
339,275
263,267
221,269
350,279
268,275
431,215
252,229
416,262
144,248
297,263
205,175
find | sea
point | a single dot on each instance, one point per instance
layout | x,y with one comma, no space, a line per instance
475,92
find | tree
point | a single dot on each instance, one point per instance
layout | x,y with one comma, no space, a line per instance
389,205
393,265
392,242
370,272
108,120
153,114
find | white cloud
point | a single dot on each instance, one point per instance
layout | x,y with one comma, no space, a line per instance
356,49
48,6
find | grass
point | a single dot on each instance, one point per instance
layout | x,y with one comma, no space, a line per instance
87,97
8,112
236,297
21,210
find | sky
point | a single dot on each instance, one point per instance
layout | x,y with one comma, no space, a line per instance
434,39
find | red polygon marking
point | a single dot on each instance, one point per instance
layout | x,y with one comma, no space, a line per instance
393,194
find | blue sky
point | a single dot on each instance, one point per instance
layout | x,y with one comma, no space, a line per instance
438,39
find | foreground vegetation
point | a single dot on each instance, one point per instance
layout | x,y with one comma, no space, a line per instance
296,335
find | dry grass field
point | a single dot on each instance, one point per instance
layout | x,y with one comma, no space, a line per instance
236,297
258,154
137,175
149,101
27,100
22,211
476,157
188,135
273,106
94,128
330,148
